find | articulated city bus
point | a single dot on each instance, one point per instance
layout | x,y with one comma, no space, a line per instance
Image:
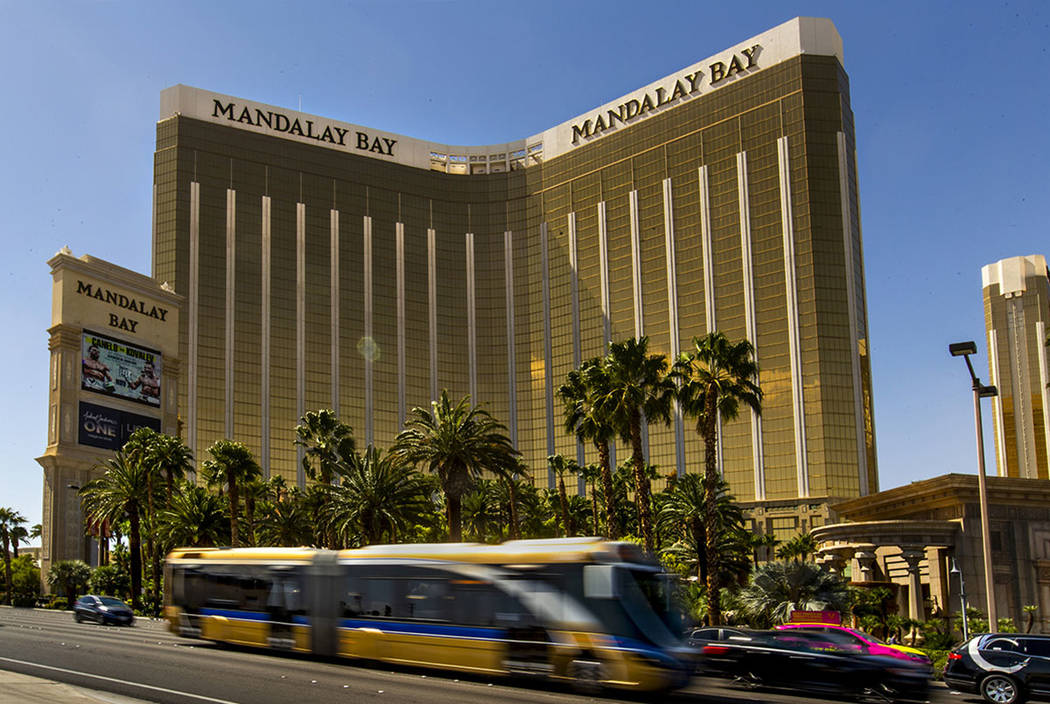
584,610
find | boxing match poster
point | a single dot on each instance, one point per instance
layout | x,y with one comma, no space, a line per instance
120,369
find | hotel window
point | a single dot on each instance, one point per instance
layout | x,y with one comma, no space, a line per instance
517,160
535,154
457,164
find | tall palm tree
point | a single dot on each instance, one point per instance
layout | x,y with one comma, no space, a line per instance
714,379
637,387
559,464
141,449
172,458
684,514
378,499
458,442
232,465
9,518
195,517
121,492
511,477
578,394
768,541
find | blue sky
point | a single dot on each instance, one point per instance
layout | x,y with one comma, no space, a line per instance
951,103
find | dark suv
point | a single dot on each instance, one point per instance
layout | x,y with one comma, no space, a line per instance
1004,668
103,609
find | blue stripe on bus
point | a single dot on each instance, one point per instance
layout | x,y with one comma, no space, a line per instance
425,629
231,613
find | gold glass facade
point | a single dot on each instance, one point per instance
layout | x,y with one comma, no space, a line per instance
1016,294
366,285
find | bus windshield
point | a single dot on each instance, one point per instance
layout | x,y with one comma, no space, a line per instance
647,597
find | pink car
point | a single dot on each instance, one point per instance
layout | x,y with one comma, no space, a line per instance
866,643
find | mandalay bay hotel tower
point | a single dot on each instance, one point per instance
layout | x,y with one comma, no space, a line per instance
330,265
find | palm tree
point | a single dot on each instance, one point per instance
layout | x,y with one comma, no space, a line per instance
232,465
458,443
141,449
684,513
778,588
195,517
511,478
758,541
18,534
637,388
71,576
578,394
378,499
121,492
591,473
284,520
9,519
798,548
714,379
172,458
560,465
326,441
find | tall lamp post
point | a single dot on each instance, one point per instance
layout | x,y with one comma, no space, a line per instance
962,598
964,350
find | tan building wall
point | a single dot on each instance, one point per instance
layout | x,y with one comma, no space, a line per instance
132,323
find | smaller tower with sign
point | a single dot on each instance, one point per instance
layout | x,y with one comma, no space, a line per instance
114,341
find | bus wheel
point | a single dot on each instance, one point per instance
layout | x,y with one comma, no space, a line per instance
587,676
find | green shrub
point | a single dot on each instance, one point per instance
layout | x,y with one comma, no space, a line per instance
939,658
58,602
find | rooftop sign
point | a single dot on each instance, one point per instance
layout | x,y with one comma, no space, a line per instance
798,36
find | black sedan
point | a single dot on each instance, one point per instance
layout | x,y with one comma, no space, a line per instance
103,609
1004,668
814,662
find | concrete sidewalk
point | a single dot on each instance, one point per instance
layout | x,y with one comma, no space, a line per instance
16,688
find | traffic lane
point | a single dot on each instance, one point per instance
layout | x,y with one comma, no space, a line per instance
183,670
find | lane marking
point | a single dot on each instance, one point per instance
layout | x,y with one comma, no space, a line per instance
124,682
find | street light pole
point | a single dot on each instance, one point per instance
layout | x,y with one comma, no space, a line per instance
965,349
962,599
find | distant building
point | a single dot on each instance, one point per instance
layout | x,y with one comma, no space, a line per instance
1016,314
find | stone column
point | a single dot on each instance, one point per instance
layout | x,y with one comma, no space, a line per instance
865,557
912,556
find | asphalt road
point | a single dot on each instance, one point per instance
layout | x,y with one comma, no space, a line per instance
148,663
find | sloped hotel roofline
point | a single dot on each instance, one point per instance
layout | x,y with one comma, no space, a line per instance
801,35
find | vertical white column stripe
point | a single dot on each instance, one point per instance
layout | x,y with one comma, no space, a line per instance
706,254
574,273
636,266
672,315
851,302
300,331
548,380
333,306
603,256
153,233
432,309
472,331
787,228
265,337
369,340
399,244
1044,380
193,322
997,403
512,383
750,321
231,289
